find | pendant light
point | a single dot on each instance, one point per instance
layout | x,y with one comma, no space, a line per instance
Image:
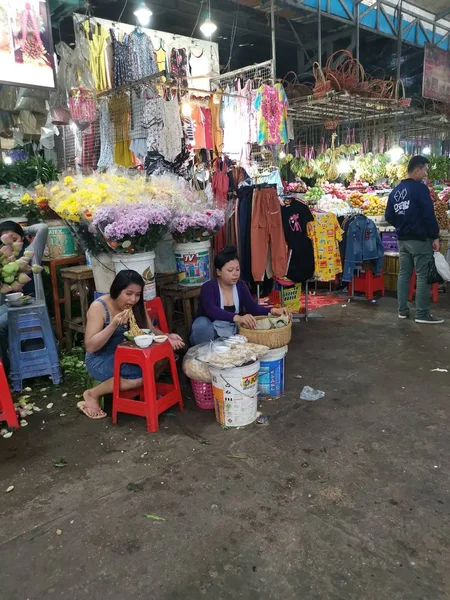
208,27
143,14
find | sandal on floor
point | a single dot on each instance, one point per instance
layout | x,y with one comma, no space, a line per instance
83,405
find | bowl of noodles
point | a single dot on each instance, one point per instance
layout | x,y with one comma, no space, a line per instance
133,328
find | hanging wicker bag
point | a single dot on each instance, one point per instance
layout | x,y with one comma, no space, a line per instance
322,86
400,94
293,88
272,338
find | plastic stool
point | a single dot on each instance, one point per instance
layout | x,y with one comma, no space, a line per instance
412,288
7,410
31,323
155,310
367,283
154,398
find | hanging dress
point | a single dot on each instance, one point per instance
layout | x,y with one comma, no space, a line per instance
141,56
97,37
119,107
216,129
161,61
106,158
272,104
138,133
120,59
153,122
199,68
179,65
172,132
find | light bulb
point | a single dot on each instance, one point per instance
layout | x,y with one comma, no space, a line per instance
208,27
396,153
8,160
344,166
426,151
143,14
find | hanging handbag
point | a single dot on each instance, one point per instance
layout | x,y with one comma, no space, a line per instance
433,273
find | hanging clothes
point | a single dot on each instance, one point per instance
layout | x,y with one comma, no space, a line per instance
198,124
199,68
232,136
88,153
153,123
217,131
325,234
161,61
272,105
138,133
106,158
220,182
120,58
141,56
179,65
206,116
172,132
267,231
243,225
97,36
363,244
296,216
119,107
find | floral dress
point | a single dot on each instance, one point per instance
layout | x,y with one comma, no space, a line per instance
272,104
325,234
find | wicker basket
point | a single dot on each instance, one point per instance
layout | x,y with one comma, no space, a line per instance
272,338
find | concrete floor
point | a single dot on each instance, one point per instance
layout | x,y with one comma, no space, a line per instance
343,498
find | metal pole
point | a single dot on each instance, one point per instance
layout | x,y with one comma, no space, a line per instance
319,32
274,50
399,40
357,30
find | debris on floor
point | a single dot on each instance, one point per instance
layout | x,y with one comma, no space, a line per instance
308,393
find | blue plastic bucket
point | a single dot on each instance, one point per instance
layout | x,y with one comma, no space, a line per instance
271,373
193,263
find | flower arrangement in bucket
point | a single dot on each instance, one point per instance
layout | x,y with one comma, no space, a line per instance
128,229
15,270
196,226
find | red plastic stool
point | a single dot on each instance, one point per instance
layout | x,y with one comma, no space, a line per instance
7,410
368,284
155,310
154,398
412,288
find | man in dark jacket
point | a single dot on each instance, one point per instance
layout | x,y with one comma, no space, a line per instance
410,210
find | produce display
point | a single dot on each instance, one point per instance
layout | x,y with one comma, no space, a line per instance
335,189
313,195
374,206
297,187
440,208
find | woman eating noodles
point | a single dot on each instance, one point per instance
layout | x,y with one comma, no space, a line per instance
226,302
107,320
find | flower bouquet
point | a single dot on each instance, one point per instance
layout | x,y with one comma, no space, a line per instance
132,228
14,271
198,226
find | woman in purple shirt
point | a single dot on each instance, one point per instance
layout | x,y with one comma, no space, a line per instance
226,302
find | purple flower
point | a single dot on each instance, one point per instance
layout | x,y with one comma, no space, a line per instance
118,223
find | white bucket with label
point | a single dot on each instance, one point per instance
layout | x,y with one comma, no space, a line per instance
103,271
271,373
144,264
193,264
236,394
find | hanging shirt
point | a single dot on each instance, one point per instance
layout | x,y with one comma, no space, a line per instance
199,68
272,104
141,56
326,233
161,64
295,217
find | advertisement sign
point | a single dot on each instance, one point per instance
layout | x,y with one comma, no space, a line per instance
26,46
436,74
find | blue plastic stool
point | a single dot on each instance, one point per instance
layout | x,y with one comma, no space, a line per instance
25,324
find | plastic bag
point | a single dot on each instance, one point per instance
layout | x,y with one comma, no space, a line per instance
433,273
194,368
442,266
308,393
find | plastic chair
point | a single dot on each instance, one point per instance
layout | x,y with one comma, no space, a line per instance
412,289
153,398
27,325
155,310
7,410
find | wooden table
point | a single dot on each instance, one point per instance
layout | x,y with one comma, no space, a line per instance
163,279
189,298
82,278
53,264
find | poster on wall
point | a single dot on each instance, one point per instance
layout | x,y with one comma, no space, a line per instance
26,46
436,74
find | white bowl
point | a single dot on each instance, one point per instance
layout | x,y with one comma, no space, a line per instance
14,297
143,341
160,339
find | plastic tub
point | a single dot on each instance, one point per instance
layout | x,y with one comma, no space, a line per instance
193,263
102,270
271,374
203,394
236,394
144,264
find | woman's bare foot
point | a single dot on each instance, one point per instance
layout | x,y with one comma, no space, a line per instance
90,407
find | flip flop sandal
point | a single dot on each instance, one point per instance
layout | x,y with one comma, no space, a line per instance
83,405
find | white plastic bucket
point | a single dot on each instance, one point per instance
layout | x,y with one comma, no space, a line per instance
236,394
271,373
103,271
144,264
193,264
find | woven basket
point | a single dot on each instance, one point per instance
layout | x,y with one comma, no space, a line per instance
203,394
272,338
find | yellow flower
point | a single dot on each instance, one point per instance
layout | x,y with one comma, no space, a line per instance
54,189
26,199
68,180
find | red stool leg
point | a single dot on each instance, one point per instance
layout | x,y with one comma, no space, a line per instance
116,390
369,276
150,398
7,410
435,292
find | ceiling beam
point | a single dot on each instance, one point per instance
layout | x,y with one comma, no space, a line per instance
443,13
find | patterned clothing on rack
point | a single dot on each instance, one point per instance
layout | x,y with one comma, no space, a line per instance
172,132
119,107
153,122
141,56
272,104
325,234
217,131
120,59
179,65
106,158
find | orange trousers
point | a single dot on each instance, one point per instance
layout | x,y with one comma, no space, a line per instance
266,228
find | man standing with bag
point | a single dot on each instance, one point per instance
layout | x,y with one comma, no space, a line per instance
410,210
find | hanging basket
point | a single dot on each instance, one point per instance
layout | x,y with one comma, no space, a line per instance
331,124
294,89
341,70
400,94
